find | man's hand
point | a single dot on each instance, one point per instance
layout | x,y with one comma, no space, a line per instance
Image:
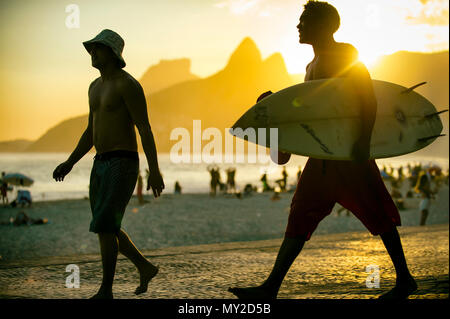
361,150
155,181
61,171
281,157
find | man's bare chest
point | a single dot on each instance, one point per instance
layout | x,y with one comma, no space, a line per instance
323,68
105,99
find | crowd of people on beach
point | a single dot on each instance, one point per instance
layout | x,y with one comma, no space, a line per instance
424,181
216,181
229,187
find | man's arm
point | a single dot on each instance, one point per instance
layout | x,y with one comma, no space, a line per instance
87,139
362,82
84,146
134,98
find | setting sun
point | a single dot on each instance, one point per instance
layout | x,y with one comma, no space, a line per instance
368,57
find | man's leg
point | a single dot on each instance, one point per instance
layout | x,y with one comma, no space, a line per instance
146,269
405,283
312,201
289,250
109,250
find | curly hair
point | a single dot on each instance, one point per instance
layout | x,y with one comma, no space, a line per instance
325,14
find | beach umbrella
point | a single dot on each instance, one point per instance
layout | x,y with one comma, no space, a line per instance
18,179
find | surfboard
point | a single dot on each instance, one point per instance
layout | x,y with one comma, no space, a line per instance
321,119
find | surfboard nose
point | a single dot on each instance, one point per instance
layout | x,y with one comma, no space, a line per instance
243,122
236,125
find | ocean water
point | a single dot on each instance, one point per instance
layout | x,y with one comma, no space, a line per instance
193,177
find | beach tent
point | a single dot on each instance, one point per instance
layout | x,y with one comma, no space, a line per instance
18,179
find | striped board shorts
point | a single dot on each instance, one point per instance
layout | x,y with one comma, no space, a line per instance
113,179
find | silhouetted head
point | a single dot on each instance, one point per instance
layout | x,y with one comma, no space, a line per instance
106,48
102,55
319,20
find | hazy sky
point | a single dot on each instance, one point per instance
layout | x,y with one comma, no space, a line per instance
45,71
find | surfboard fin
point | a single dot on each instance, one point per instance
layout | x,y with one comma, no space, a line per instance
424,139
412,88
436,113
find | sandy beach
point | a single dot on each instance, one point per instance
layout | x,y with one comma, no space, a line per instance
178,220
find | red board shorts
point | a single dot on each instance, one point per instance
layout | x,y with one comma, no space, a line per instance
356,186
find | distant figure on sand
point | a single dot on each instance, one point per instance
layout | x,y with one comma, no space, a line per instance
215,179
248,190
23,198
414,175
282,182
299,173
177,188
356,185
266,187
116,105
231,173
423,187
23,219
4,190
400,174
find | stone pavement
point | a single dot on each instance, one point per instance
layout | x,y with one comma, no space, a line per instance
329,267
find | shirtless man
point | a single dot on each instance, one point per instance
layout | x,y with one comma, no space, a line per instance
356,185
116,104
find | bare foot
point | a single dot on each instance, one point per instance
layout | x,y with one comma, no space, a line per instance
146,274
401,290
253,293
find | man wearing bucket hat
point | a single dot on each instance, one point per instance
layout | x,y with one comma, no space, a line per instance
110,39
116,105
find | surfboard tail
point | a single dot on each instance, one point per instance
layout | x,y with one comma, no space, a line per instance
425,139
436,113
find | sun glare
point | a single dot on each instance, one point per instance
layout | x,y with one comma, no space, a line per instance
368,57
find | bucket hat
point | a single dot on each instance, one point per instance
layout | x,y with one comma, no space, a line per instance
110,39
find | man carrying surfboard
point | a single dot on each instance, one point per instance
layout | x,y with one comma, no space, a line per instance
356,185
116,105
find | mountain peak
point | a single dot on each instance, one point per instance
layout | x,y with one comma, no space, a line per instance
166,73
276,61
247,43
245,55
